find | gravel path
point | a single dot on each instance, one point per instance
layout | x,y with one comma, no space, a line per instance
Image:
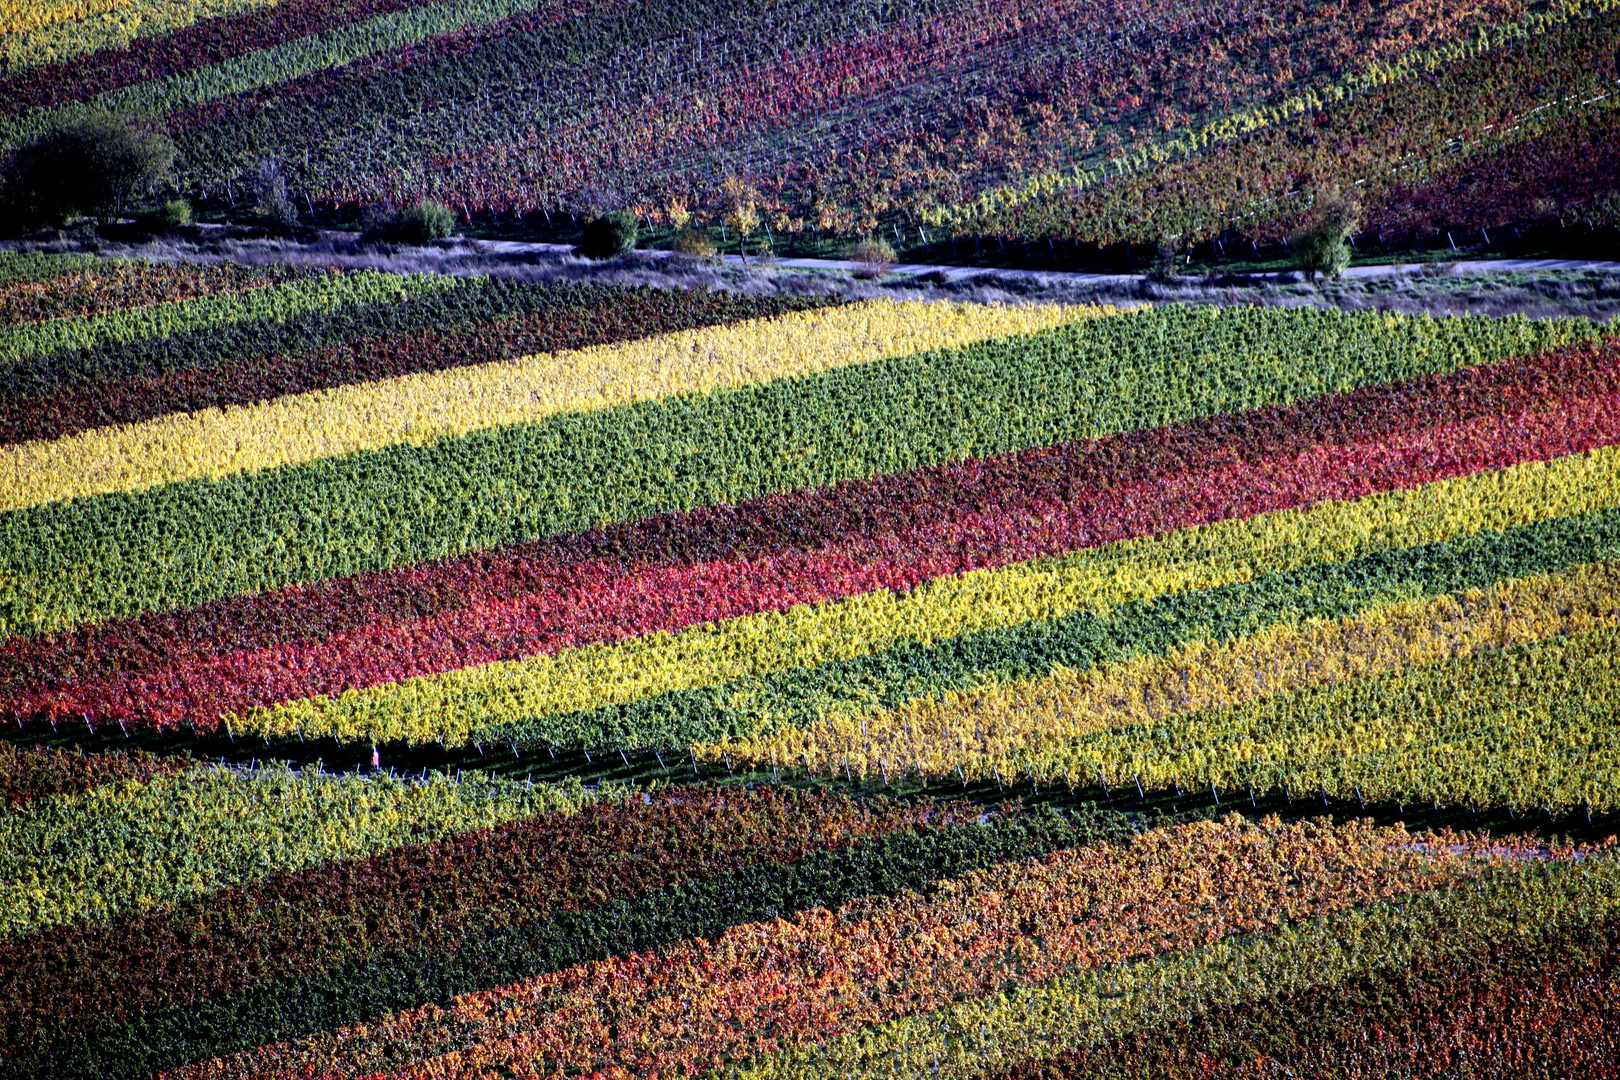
957,273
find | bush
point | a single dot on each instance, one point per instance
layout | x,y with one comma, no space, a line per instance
174,214
378,220
695,242
1605,210
84,234
419,224
91,165
872,256
426,221
279,215
169,216
609,235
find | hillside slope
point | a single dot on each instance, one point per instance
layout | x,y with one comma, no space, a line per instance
1128,121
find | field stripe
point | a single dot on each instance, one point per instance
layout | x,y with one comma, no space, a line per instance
428,406
848,690
280,62
18,267
891,532
420,901
216,345
787,982
994,729
458,704
28,773
1029,1026
139,843
332,973
1529,726
280,301
113,287
20,16
111,29
120,554
908,529
1551,1000
154,47
479,321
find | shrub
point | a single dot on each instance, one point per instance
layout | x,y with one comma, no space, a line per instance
91,165
1605,210
419,224
1320,252
378,220
872,256
609,235
174,214
695,242
426,221
84,234
1165,257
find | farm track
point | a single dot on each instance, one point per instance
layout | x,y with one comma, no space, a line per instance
478,256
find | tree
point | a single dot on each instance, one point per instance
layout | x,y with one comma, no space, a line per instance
740,203
271,204
1319,246
93,164
678,214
